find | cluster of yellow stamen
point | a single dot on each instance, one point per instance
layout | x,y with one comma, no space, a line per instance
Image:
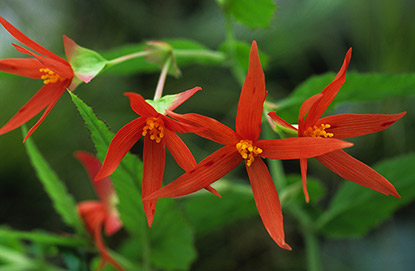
248,151
50,76
155,129
316,131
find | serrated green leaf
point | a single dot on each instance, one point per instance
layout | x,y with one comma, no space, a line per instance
172,238
355,210
242,50
63,202
126,178
250,13
186,52
358,87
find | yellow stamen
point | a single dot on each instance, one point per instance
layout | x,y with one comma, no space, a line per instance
50,76
155,129
248,151
316,131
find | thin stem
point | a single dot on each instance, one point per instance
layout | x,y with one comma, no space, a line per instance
236,69
146,249
127,57
211,55
162,79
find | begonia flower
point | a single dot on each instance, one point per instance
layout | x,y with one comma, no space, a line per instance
159,132
243,145
57,75
311,125
97,215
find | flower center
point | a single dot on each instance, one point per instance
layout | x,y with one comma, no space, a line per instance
316,131
50,76
248,151
155,128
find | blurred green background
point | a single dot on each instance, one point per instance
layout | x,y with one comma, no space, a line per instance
305,38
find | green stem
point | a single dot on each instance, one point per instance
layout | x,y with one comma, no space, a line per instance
213,55
146,250
127,57
236,69
162,79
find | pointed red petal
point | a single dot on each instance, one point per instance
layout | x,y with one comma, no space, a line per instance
251,101
28,42
279,121
303,166
153,170
103,187
301,147
122,142
329,92
183,96
112,223
353,170
61,68
211,169
211,128
351,125
60,89
27,67
305,107
177,126
267,201
139,105
36,104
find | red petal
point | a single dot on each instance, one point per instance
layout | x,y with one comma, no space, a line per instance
61,68
103,187
176,126
27,67
112,223
28,42
303,166
351,125
60,89
279,121
251,101
267,201
140,106
301,147
211,169
329,92
153,169
305,107
211,128
353,170
182,154
36,104
183,96
122,142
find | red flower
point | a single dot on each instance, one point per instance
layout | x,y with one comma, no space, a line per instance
340,126
243,144
158,131
97,214
55,72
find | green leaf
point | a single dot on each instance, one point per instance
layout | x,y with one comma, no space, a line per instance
355,210
242,50
63,202
250,13
41,237
172,238
209,213
126,178
186,52
358,87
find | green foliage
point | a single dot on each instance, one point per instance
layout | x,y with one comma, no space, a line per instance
358,87
250,13
355,210
62,201
186,52
40,237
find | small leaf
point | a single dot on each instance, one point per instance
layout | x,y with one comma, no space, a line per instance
355,210
126,178
172,238
63,202
250,13
358,87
